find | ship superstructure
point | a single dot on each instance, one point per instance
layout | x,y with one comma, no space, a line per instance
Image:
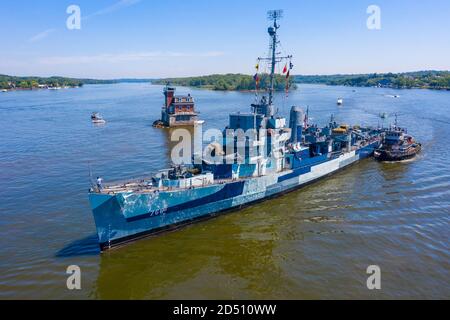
274,156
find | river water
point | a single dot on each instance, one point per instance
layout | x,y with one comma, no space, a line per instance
313,243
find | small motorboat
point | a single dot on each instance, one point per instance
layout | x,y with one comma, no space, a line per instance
97,118
340,102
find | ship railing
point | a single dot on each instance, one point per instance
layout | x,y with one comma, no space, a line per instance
223,181
131,181
335,154
141,185
399,152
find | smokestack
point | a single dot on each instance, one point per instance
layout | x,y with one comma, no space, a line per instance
296,124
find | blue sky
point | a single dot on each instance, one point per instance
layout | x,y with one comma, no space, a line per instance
149,38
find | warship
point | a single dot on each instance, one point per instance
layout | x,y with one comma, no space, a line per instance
285,156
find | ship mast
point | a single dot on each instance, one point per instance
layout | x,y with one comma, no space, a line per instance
273,15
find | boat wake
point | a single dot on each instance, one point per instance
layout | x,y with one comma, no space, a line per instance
402,161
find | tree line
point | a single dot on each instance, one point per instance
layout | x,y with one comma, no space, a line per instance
12,82
421,79
228,82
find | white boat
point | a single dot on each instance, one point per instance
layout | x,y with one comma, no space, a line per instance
340,102
97,118
4,90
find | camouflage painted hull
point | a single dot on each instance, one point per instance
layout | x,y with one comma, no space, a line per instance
124,217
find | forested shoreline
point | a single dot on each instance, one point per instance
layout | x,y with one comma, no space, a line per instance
439,80
229,82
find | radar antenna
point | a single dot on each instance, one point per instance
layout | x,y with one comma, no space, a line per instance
274,15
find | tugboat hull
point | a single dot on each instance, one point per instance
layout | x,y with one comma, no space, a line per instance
387,155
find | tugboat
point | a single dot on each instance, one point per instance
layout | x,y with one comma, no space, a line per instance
97,118
397,145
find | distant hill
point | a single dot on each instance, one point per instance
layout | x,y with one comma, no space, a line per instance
227,82
420,79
